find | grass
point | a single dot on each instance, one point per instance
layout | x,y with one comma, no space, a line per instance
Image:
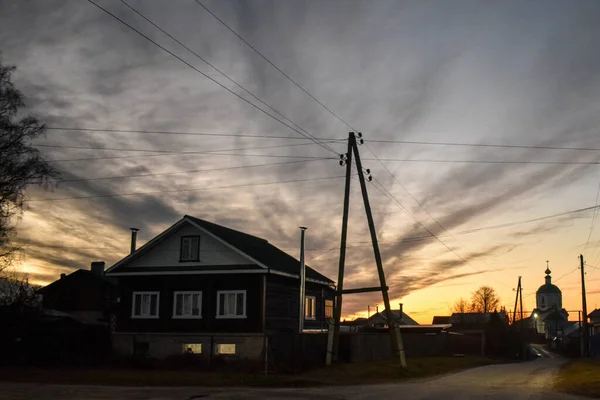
580,377
341,374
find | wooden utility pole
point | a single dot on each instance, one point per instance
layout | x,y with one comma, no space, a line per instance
584,316
516,302
395,337
521,300
337,315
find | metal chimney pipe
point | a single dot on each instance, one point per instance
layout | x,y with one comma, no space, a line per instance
134,232
401,312
302,281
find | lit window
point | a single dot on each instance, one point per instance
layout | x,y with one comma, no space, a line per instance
228,349
187,305
328,308
192,348
145,305
309,307
231,304
190,248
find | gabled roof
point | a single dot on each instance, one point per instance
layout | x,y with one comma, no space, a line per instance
76,278
437,320
402,319
260,250
594,314
476,321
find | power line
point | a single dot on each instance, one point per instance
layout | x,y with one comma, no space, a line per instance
236,135
203,74
189,153
427,212
594,217
320,138
508,146
186,172
494,161
218,70
433,235
181,190
273,65
565,275
60,146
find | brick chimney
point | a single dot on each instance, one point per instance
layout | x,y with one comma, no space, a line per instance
98,268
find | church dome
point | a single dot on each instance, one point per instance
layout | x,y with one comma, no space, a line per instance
549,288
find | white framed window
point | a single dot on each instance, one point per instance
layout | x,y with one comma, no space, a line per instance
309,307
187,305
192,348
225,348
190,248
231,304
145,304
328,309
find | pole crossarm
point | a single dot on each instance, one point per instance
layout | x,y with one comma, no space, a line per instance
364,290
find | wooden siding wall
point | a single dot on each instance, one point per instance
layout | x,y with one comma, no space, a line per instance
282,305
209,285
167,252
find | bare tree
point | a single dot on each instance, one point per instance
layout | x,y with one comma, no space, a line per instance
15,289
461,306
485,299
20,163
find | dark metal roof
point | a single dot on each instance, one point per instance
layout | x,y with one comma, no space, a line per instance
191,268
259,249
445,319
76,278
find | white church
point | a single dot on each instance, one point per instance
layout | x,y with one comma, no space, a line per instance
549,316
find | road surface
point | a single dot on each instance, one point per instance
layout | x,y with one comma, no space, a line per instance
530,380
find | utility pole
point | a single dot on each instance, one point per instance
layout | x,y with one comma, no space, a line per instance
584,317
337,314
395,338
521,300
516,301
302,282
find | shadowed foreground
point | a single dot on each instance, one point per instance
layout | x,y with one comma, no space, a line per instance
531,380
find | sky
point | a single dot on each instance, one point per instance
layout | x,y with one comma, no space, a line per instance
510,73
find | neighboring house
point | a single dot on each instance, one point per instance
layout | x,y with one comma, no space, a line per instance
594,321
87,296
208,289
379,320
441,320
489,328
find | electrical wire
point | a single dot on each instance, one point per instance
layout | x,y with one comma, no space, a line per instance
273,65
218,70
236,135
181,190
493,145
203,74
60,146
185,172
422,207
593,223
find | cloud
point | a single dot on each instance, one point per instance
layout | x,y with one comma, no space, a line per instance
394,71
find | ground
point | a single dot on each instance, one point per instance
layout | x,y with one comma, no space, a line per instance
580,377
340,374
529,380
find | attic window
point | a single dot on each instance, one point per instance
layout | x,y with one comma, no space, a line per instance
190,248
543,301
